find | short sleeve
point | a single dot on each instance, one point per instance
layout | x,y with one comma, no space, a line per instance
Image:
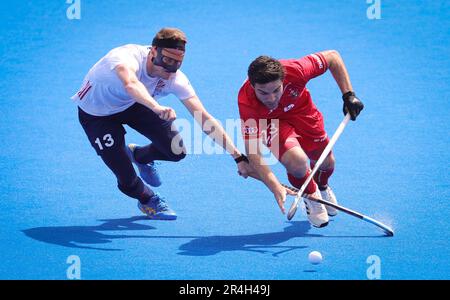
123,55
309,67
181,87
249,120
249,126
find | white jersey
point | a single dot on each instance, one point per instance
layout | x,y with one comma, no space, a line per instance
103,93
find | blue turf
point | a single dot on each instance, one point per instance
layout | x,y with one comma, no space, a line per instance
58,199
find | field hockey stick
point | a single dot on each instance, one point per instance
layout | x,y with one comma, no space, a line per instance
384,227
322,157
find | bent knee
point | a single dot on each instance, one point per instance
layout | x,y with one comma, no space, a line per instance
298,170
177,157
295,162
328,163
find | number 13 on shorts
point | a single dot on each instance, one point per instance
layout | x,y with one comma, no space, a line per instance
108,141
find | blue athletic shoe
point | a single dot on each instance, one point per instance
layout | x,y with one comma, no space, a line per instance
147,172
157,209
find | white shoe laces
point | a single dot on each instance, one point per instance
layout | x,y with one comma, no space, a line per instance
315,206
330,196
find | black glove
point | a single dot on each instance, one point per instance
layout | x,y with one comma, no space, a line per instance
241,158
352,105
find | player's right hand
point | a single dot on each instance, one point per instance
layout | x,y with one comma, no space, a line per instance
166,113
280,197
352,105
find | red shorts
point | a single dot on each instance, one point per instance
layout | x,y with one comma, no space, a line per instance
290,136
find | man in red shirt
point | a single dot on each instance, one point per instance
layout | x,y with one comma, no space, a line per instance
276,109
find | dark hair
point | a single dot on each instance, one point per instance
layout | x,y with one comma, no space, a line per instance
265,69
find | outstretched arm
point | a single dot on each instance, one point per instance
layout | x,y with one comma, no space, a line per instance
260,171
215,131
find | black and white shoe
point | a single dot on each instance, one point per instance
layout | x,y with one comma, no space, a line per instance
316,212
329,196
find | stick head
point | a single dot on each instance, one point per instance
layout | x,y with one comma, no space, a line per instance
385,228
292,212
389,232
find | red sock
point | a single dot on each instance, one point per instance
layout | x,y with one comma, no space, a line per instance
321,177
310,188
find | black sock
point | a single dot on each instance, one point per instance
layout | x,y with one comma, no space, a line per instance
137,190
323,187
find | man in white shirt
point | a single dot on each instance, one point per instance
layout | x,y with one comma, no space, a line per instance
122,88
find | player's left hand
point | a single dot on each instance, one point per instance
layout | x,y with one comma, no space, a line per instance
352,105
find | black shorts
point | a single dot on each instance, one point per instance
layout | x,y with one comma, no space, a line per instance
106,133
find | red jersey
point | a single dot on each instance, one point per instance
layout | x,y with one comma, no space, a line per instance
295,106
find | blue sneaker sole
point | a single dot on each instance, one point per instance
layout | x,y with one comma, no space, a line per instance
162,218
159,216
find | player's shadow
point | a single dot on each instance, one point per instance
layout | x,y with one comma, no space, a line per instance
89,237
260,243
86,236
